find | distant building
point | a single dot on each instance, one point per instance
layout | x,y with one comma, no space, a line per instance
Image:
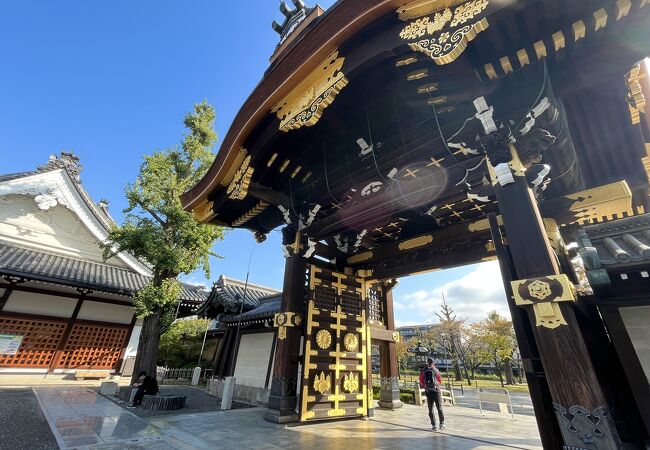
407,332
249,358
62,306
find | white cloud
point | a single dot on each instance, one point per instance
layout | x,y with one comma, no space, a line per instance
472,296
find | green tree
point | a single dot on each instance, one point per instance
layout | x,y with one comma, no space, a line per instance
157,230
498,336
475,350
447,336
401,351
181,343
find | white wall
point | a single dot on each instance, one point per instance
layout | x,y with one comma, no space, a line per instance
105,312
637,323
56,230
253,359
132,346
45,305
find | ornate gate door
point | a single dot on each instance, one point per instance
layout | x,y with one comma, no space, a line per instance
334,380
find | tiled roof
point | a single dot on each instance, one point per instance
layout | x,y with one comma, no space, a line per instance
267,309
37,265
617,244
227,293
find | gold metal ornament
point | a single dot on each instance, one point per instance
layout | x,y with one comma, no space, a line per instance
238,187
351,383
467,11
324,339
543,294
395,336
539,289
305,103
351,342
322,383
444,47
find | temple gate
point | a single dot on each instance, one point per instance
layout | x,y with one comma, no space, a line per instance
392,137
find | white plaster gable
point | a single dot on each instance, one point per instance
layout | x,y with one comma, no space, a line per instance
55,189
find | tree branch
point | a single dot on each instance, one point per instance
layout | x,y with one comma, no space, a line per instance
152,213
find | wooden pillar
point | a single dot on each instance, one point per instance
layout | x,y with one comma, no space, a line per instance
580,407
283,398
120,360
389,371
5,295
540,395
66,333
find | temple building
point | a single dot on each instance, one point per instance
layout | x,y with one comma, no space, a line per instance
249,353
392,137
62,306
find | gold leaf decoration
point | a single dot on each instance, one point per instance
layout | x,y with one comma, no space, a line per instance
305,103
351,342
238,187
539,289
324,339
467,11
322,383
445,48
351,383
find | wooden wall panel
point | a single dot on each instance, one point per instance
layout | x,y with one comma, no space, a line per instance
93,346
41,337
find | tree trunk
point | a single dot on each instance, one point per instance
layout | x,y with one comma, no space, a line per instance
459,376
147,355
510,378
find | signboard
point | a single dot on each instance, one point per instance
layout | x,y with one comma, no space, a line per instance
10,343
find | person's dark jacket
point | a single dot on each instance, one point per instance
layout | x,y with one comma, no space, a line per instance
149,385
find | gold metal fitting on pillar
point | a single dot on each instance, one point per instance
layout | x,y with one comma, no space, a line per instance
284,320
544,293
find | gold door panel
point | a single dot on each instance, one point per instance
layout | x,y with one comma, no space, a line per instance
334,380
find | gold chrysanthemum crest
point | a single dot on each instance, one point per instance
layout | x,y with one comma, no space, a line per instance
351,342
324,339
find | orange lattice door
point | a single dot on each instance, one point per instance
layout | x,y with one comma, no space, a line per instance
93,346
40,340
334,382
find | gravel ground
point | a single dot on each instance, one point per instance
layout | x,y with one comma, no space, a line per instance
22,424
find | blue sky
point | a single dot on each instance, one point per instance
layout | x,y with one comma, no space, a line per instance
112,80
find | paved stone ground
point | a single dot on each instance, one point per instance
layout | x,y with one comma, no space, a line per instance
80,418
22,424
198,401
407,428
22,380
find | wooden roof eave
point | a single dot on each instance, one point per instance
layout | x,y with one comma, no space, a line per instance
346,17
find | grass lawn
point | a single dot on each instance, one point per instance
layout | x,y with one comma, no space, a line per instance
486,384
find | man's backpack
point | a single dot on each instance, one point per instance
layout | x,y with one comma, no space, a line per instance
430,380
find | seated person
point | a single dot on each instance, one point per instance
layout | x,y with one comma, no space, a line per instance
147,385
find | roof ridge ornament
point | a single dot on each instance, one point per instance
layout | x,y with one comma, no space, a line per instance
292,18
66,160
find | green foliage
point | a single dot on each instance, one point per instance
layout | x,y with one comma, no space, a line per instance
407,396
181,343
153,297
156,228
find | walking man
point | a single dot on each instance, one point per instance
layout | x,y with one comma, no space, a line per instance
431,380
